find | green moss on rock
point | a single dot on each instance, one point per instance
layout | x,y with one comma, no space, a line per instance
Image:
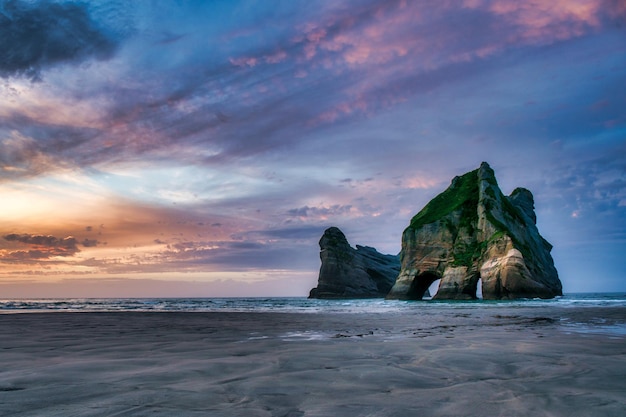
468,254
463,192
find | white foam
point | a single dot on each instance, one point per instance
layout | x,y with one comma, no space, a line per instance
306,335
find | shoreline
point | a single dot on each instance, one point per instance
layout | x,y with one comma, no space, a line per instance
513,361
293,304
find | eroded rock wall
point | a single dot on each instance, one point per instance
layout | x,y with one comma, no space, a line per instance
353,273
472,232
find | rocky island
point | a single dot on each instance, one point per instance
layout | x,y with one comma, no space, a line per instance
469,235
471,232
353,273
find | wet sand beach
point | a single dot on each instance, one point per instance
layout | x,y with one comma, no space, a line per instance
519,361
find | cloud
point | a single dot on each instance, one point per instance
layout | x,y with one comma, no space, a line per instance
89,243
246,100
291,248
320,212
49,149
34,36
41,240
287,233
42,247
272,252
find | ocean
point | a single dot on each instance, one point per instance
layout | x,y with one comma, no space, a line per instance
294,304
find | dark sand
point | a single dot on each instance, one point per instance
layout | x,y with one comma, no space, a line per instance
454,362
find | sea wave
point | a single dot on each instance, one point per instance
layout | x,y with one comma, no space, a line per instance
295,304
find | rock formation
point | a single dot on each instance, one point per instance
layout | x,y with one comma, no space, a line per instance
353,273
472,232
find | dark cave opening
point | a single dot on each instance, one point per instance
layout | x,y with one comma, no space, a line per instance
420,284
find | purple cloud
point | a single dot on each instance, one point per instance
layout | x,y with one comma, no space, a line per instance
36,36
346,62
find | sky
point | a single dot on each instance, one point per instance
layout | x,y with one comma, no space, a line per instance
201,148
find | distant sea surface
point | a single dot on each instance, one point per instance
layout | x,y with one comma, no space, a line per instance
292,305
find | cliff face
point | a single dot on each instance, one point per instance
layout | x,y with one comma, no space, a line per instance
472,231
353,273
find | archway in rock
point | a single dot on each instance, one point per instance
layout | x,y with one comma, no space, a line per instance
420,284
434,287
474,289
479,289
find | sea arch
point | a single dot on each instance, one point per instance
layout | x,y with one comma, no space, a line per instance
420,285
460,286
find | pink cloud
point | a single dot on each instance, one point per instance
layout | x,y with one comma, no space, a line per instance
316,35
396,42
244,61
342,109
310,50
544,22
376,40
276,57
301,74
